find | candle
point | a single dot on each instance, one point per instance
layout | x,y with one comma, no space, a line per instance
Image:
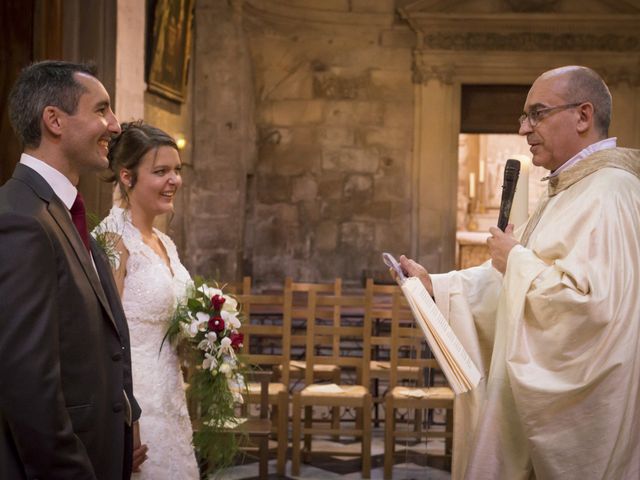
472,185
481,172
520,206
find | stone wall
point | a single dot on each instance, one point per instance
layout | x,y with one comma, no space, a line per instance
330,189
323,133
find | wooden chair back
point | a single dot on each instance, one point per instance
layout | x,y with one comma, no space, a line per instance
381,315
266,325
409,347
300,292
336,333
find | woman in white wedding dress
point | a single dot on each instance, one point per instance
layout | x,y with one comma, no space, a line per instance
146,169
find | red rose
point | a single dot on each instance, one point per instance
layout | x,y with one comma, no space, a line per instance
217,301
216,324
236,340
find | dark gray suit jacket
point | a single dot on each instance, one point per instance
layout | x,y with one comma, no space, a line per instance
64,345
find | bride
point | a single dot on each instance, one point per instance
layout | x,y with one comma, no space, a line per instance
145,167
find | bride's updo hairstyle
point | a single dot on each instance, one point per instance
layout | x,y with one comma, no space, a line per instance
127,149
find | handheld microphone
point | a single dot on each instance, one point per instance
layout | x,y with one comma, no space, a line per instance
511,173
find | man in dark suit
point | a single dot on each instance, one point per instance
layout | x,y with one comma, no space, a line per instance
67,409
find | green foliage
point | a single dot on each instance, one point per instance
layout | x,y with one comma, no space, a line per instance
212,440
173,330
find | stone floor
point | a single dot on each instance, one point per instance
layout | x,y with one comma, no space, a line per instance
414,461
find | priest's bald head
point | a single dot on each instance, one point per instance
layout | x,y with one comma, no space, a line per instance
567,109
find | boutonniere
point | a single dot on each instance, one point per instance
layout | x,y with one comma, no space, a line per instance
107,239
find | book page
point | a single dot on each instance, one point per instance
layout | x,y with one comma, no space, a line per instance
455,362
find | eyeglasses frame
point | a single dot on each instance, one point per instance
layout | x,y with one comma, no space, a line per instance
545,113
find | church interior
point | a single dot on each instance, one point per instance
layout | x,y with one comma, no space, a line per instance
317,134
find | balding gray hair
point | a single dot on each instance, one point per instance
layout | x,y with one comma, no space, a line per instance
585,85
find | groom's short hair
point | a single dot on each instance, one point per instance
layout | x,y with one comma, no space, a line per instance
43,84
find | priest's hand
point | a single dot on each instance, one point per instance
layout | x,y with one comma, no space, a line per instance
139,449
500,244
414,269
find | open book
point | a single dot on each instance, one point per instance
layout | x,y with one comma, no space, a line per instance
455,362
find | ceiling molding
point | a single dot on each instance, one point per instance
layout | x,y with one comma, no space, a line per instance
596,7
525,31
494,68
278,11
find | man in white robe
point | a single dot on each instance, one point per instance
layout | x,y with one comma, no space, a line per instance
553,320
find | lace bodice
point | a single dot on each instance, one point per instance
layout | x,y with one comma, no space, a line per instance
151,289
150,295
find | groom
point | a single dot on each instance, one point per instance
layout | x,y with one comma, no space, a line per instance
67,409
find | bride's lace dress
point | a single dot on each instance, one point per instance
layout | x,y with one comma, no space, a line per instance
151,292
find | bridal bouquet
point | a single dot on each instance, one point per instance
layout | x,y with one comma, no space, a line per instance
207,321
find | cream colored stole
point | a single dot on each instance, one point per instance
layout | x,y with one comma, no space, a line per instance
624,158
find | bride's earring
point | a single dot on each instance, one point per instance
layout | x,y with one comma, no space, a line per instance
125,178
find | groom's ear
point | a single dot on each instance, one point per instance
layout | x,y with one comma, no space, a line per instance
52,121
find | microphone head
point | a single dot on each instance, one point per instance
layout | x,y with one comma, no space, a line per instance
511,173
511,170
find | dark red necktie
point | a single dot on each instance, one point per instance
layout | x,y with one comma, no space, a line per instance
79,218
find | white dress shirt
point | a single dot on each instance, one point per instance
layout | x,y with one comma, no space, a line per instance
60,184
611,142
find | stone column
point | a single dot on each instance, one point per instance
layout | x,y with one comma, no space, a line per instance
224,142
436,166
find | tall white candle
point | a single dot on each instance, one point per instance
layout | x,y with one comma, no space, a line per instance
472,185
481,171
520,206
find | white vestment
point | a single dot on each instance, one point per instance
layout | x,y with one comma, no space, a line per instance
558,337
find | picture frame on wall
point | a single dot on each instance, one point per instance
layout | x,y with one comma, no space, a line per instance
170,50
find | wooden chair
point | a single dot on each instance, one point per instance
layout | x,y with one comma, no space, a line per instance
380,366
256,430
299,314
325,344
266,328
299,302
406,346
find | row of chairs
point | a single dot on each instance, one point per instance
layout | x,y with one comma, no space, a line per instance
327,348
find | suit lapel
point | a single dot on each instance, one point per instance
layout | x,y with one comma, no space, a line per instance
107,282
60,214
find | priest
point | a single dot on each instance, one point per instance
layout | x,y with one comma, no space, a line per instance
553,319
